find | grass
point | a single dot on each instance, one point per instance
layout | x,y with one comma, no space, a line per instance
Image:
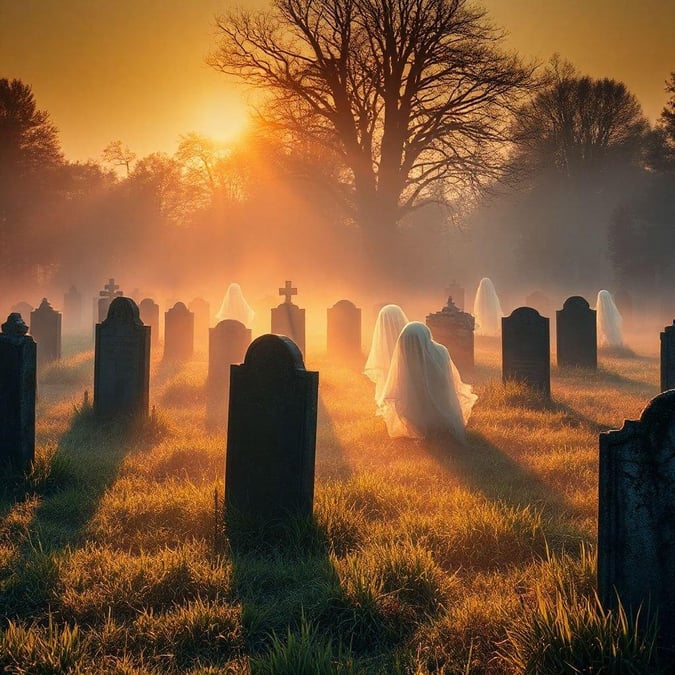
422,557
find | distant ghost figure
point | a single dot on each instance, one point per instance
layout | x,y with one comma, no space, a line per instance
487,310
423,394
234,306
389,324
609,321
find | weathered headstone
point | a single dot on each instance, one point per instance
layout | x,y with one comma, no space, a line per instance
228,343
179,333
668,358
343,339
45,327
288,319
149,312
577,334
17,393
454,329
23,308
122,362
106,296
271,442
636,528
202,311
72,311
526,352
456,293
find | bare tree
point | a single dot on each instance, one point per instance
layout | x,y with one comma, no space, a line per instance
118,155
405,94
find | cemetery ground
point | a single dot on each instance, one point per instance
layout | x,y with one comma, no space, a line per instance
423,556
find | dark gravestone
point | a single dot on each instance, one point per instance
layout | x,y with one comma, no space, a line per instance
17,394
456,293
25,309
271,442
72,311
106,296
149,312
668,358
228,343
45,327
122,362
288,319
202,311
636,528
179,333
454,329
526,352
576,334
343,338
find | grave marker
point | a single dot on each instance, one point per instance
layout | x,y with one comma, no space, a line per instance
106,296
179,333
454,329
149,313
45,327
576,334
456,293
343,339
288,319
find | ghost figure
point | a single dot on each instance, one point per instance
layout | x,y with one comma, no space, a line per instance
389,324
423,394
234,306
487,310
608,321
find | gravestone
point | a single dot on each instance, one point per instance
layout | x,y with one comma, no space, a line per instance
17,394
106,296
456,293
668,358
228,343
25,309
526,352
576,334
45,327
343,339
271,442
636,529
149,313
454,329
72,311
179,333
288,319
122,363
202,311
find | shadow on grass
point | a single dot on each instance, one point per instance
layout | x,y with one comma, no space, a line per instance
331,461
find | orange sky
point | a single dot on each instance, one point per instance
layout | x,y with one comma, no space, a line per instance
134,69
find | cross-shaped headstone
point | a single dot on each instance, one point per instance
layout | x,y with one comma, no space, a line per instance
288,291
110,290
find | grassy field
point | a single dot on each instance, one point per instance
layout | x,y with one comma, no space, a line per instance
422,557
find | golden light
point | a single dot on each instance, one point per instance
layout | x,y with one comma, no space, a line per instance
222,118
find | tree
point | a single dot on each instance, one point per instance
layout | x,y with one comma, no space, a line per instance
576,123
404,95
118,155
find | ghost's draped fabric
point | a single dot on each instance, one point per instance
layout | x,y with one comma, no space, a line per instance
487,309
234,306
389,324
609,321
423,394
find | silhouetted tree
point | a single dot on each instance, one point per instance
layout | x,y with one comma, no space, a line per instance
402,94
578,123
117,154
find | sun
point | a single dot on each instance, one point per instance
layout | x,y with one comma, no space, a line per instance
221,118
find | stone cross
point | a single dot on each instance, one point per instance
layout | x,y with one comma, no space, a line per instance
288,291
110,290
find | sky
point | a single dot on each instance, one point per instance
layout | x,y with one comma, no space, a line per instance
135,70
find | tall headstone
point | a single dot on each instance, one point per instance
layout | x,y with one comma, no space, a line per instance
636,528
149,312
576,334
72,311
45,327
110,291
456,293
179,333
122,363
668,358
25,309
343,338
271,442
228,343
454,329
202,311
526,351
17,393
288,319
